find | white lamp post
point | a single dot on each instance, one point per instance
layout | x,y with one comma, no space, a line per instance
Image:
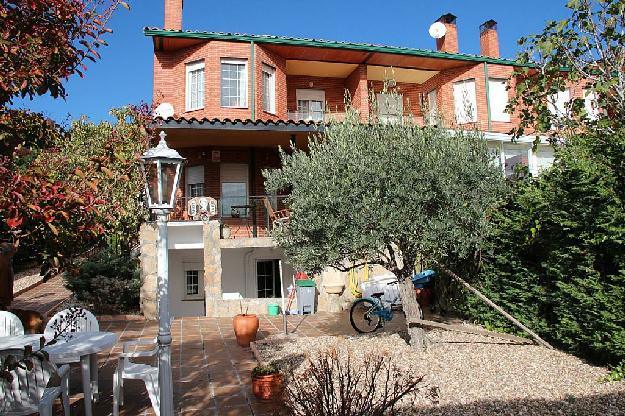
161,168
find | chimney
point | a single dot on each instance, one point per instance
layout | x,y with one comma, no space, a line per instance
449,42
173,14
489,40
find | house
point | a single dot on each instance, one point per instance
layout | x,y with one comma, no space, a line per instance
233,99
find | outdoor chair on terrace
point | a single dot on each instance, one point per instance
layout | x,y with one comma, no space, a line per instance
29,392
10,324
87,322
276,217
129,370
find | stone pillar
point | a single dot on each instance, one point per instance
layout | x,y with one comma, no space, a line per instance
212,266
148,269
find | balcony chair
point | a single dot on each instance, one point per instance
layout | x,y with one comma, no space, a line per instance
276,217
10,324
29,392
126,369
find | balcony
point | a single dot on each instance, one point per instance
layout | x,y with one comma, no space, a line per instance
240,216
316,116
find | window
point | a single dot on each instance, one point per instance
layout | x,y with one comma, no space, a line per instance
544,157
195,86
193,281
269,89
234,180
515,154
310,104
432,117
498,97
268,278
233,83
558,103
195,181
591,104
390,107
465,102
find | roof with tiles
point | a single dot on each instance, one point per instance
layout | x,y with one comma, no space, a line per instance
323,43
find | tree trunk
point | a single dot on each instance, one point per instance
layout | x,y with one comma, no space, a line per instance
413,313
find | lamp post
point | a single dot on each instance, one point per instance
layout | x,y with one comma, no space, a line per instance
161,169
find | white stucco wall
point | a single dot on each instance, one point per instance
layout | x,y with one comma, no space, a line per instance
239,269
178,260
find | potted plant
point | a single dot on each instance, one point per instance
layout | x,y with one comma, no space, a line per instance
245,328
267,382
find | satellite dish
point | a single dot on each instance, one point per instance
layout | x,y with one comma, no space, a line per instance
164,110
437,30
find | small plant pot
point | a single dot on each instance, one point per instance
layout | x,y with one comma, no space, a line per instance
268,387
245,328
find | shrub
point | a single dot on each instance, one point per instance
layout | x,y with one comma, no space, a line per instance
557,258
108,282
333,384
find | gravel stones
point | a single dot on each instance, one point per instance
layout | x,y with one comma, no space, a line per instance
477,375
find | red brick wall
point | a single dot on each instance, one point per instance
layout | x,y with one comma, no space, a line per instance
170,78
263,56
173,14
169,86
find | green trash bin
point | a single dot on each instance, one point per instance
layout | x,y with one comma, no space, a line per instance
273,309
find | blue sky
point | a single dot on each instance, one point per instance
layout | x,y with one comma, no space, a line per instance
124,75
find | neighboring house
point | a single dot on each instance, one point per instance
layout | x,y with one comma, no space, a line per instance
237,97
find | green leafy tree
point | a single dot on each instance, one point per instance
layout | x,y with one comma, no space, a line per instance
385,193
588,47
44,42
557,257
103,158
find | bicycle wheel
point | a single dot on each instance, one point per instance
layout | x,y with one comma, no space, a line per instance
363,316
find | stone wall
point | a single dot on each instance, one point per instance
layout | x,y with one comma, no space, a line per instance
148,271
212,267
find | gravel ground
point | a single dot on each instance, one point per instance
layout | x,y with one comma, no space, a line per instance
477,375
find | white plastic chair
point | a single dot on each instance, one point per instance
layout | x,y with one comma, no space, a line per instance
88,323
129,370
29,392
10,324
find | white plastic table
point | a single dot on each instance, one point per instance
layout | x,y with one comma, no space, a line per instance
83,347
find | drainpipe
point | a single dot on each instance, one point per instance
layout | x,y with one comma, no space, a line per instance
487,96
253,89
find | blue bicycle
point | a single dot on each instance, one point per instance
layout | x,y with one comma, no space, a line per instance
368,314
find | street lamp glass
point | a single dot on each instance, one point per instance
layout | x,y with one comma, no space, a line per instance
161,167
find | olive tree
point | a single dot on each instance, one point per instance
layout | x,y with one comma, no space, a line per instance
385,193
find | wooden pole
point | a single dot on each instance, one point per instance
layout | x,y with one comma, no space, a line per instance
493,305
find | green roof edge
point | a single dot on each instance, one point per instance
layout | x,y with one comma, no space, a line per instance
332,44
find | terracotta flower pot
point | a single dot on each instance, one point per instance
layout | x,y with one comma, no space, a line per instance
245,328
267,387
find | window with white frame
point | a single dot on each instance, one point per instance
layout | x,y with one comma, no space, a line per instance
310,104
195,181
498,99
268,279
234,83
432,117
195,86
591,104
269,89
465,101
544,157
390,107
515,156
193,281
558,103
234,189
